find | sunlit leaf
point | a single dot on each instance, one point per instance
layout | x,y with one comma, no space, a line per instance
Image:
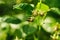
48,23
42,7
3,36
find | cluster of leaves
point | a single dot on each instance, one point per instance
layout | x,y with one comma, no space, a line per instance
29,20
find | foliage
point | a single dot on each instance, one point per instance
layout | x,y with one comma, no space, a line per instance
29,20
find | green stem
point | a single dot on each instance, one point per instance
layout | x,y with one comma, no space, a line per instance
44,16
40,1
39,15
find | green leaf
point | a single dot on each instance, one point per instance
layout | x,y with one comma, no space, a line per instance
23,6
48,24
42,7
18,33
28,29
13,20
4,27
3,36
2,2
56,10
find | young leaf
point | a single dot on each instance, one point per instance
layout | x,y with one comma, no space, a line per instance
43,7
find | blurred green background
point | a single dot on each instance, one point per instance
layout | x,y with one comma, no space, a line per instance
15,22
